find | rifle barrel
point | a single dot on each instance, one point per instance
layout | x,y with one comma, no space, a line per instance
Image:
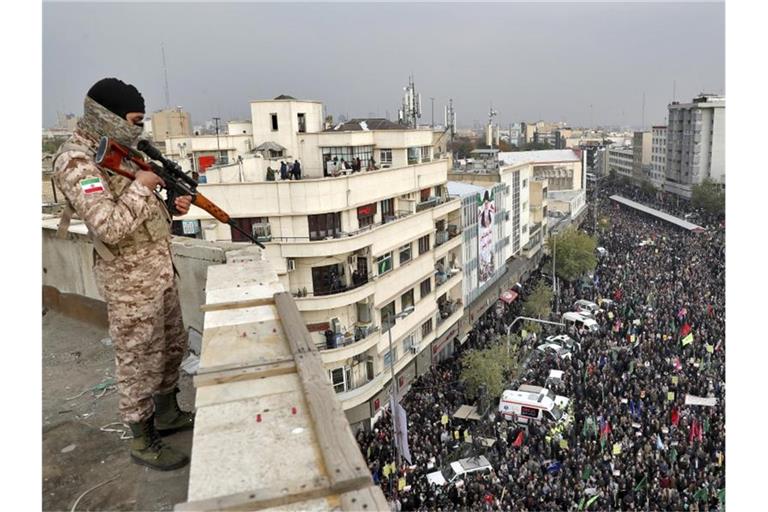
250,237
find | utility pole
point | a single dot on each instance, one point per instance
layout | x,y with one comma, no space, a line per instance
554,275
165,75
218,146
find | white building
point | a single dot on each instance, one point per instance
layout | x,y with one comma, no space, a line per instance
366,254
562,168
695,143
658,155
621,160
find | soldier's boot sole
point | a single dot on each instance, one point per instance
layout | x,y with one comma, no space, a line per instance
164,467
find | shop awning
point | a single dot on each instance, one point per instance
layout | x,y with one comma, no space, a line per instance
508,296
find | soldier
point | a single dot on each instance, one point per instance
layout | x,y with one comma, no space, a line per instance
130,228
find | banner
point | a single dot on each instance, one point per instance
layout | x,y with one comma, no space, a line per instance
401,422
699,400
486,212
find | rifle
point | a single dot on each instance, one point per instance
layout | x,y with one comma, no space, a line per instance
112,154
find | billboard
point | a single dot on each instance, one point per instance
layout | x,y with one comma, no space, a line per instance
485,253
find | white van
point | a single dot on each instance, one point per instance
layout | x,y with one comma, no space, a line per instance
580,321
458,469
586,307
561,401
526,406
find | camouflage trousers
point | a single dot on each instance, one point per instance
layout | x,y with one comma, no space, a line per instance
150,343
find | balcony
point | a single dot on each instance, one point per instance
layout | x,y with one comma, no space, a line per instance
351,349
449,278
447,310
430,203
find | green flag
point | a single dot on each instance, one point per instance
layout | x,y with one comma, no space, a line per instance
591,500
641,484
700,495
586,473
581,503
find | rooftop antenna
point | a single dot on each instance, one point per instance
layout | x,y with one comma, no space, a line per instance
491,114
165,76
411,109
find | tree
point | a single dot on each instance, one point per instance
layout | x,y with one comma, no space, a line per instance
51,145
647,187
505,146
537,305
490,367
708,196
574,253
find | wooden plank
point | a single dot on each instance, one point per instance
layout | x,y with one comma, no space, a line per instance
245,344
239,374
369,499
344,463
253,443
265,497
242,293
237,304
242,390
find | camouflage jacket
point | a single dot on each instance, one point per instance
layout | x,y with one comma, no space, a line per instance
129,218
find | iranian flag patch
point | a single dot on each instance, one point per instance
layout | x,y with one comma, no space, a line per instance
91,185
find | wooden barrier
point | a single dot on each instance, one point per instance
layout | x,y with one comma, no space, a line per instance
269,430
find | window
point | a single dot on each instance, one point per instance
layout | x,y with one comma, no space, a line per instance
341,379
413,156
424,194
385,156
324,225
426,287
384,263
406,300
365,215
426,153
423,244
274,122
328,279
302,122
525,183
388,210
426,328
387,316
390,358
349,154
246,224
405,253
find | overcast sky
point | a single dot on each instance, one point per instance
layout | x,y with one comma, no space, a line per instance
546,61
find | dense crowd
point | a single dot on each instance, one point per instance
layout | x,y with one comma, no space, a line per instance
631,443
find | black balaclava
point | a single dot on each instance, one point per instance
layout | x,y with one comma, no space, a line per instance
106,105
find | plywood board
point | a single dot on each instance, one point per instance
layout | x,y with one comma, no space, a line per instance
244,344
234,452
233,391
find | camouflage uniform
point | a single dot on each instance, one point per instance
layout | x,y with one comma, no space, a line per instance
135,275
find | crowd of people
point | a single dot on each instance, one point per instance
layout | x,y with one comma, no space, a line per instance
631,442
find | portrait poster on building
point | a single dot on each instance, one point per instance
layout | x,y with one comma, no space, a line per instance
485,254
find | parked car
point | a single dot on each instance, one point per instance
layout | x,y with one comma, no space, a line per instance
586,307
553,348
458,469
580,321
564,341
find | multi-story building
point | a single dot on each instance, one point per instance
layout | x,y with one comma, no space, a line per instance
658,155
367,255
172,122
695,143
641,155
621,159
562,168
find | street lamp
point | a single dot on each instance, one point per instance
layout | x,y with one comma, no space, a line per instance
393,387
537,320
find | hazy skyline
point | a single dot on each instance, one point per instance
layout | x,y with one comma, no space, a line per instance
531,61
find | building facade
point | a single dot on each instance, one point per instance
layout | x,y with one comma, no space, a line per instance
621,160
641,155
695,144
367,255
658,155
173,122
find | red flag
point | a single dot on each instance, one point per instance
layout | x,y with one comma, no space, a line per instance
694,431
675,416
519,440
685,329
710,310
606,429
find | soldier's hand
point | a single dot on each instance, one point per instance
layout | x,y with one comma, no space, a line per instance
182,204
149,179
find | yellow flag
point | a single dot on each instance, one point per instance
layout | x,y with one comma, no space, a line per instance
444,419
401,484
456,434
710,348
563,443
385,470
670,396
617,448
674,379
688,339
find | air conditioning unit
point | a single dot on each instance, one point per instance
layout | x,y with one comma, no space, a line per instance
291,264
336,325
262,231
